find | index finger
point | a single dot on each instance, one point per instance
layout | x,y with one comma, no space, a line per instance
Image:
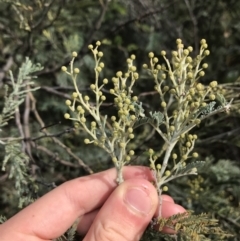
50,216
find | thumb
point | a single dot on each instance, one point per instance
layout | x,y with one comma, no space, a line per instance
126,213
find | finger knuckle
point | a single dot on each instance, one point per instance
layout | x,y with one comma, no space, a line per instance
108,231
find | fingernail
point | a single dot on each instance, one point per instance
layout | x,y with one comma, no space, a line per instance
138,200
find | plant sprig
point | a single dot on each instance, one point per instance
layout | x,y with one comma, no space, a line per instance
184,101
177,83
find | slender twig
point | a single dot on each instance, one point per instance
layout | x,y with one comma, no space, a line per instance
26,125
55,157
20,127
5,68
141,17
218,137
194,21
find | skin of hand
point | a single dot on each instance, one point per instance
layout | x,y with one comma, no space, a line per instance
105,211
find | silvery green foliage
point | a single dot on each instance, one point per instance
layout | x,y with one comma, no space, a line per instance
2,219
15,161
17,95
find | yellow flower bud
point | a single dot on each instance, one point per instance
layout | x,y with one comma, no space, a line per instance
195,154
184,157
195,137
150,151
133,68
129,61
178,41
76,70
189,60
197,121
165,189
66,116
119,74
134,98
122,144
165,88
167,173
205,46
180,46
196,104
131,136
174,53
136,75
172,91
74,95
92,87
151,55
131,152
90,46
163,53
205,65
127,158
86,141
190,75
101,65
98,43
201,73
212,97
86,98
64,68
189,97
133,117
74,54
79,108
155,60
68,102
113,118
93,124
185,52
145,66
100,54
83,119
103,97
199,86
206,52
213,84
172,128
105,81
190,136
174,156
133,57
99,69
188,144
164,104
130,130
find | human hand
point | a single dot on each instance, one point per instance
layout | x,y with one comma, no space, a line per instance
105,211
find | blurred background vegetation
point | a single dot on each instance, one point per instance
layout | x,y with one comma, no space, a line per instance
47,31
